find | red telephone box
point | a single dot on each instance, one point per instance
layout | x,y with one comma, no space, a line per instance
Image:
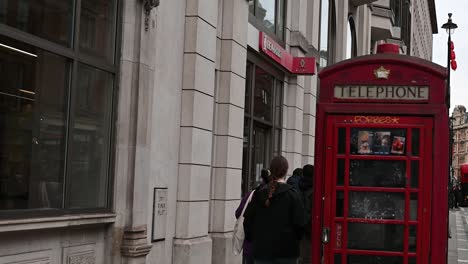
381,162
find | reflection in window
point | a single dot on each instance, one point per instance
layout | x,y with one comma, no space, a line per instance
55,124
377,173
33,103
89,146
50,19
263,94
384,237
327,31
266,13
351,46
375,205
96,27
262,124
270,14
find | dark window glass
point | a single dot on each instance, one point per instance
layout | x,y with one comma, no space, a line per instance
263,95
262,124
377,173
377,205
339,203
277,143
51,19
89,155
338,259
340,173
245,156
33,103
248,88
415,141
97,27
278,102
414,174
341,140
414,206
412,240
411,260
384,237
355,259
261,152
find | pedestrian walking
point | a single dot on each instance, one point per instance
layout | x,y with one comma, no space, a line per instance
295,178
274,219
247,256
307,191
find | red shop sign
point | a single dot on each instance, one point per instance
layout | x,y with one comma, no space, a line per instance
294,65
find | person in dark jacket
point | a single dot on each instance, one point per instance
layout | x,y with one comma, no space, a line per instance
274,219
307,191
247,256
295,178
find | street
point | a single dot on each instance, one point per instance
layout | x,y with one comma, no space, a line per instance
458,244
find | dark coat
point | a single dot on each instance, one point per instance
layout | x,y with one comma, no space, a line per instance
275,231
294,181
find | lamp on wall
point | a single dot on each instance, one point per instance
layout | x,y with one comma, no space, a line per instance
148,5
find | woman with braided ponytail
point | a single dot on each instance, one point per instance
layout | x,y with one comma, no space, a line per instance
274,219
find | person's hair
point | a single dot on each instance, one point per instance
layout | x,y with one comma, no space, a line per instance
265,174
298,172
278,168
308,171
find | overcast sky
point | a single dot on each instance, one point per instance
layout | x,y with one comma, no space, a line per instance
458,78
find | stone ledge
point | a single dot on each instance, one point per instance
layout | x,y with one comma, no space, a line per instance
55,222
297,39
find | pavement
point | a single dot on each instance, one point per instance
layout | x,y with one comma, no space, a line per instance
458,244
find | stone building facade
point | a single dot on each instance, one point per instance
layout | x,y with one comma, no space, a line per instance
130,129
460,139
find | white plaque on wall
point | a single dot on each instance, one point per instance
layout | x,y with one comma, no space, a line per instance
159,214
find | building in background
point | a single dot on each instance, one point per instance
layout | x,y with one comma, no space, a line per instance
460,139
129,130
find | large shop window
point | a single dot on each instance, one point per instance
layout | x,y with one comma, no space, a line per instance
57,76
262,124
268,16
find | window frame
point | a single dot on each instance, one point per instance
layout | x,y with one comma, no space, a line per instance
76,56
255,21
249,117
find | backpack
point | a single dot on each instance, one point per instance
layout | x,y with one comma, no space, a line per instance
238,235
307,197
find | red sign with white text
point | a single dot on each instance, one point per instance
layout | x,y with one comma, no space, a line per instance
294,65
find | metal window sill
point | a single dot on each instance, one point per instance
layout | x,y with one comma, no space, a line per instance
55,222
